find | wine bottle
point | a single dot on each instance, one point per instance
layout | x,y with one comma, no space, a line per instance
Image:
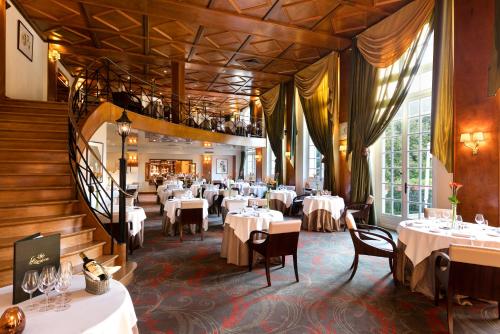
92,266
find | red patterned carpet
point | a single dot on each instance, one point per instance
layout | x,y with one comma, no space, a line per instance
188,288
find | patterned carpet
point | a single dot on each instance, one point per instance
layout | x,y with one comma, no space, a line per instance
188,288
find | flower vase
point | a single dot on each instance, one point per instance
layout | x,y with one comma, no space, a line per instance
453,215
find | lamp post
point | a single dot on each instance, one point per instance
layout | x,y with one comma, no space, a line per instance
123,127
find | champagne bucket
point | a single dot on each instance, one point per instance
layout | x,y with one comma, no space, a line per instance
95,287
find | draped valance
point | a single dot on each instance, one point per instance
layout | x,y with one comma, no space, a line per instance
385,42
269,100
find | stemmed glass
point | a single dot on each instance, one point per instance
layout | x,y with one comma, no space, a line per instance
479,218
63,283
46,283
460,222
30,285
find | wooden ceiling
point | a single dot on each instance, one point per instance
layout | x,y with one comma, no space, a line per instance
233,49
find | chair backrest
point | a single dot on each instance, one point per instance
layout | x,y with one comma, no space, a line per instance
191,215
283,237
192,204
292,188
370,200
180,192
474,271
435,212
350,222
232,205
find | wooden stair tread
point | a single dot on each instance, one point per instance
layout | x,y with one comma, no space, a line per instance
37,203
81,248
33,149
35,140
9,241
14,113
24,162
62,130
34,220
126,273
35,188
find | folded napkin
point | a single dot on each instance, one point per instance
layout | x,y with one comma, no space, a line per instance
461,234
434,230
493,233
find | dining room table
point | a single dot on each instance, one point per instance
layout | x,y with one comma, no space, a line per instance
111,313
258,191
135,217
171,205
419,240
165,191
237,228
281,199
322,213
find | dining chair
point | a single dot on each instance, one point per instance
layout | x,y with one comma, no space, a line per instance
435,212
372,241
297,205
190,213
282,239
360,211
470,271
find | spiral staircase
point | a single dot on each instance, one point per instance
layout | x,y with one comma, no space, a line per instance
38,192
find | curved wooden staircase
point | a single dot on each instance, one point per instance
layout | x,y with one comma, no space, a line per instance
37,190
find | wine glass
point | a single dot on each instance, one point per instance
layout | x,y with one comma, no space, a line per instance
445,214
62,285
30,285
460,222
479,218
46,283
66,271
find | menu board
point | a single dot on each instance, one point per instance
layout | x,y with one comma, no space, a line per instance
33,253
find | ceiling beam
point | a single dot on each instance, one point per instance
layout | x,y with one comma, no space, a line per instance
88,23
216,18
66,48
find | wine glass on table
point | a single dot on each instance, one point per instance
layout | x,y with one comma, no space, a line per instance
30,285
65,271
479,218
460,222
62,285
46,283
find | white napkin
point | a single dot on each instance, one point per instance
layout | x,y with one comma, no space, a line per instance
461,234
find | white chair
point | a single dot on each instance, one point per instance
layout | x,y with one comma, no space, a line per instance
436,212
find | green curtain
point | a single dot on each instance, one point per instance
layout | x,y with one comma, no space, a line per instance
376,95
275,123
494,70
241,174
442,134
293,130
320,127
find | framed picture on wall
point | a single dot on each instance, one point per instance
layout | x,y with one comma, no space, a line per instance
24,40
95,166
222,166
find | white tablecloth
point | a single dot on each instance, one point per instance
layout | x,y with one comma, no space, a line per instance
256,190
194,189
243,224
112,312
240,186
285,196
164,193
235,203
421,242
172,205
135,216
333,204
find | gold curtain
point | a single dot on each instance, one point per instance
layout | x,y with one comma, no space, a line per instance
384,43
442,133
269,100
318,89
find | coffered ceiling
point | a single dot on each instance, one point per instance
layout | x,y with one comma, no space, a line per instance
232,49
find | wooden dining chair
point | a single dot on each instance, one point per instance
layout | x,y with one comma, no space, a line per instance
435,212
281,240
359,211
470,271
190,213
297,205
372,241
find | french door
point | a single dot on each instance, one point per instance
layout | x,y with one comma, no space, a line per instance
406,180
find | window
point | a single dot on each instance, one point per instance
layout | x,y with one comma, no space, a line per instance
406,161
315,167
250,166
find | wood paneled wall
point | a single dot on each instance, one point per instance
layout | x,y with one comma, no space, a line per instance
475,111
3,32
345,72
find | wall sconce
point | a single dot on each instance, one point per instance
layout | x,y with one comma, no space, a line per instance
288,154
207,159
207,144
132,140
472,140
258,157
342,148
54,55
132,159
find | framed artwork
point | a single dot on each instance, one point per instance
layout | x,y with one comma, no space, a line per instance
222,166
94,165
24,40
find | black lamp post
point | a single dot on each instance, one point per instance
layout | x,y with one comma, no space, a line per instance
123,127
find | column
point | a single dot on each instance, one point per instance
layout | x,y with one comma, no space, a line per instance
178,90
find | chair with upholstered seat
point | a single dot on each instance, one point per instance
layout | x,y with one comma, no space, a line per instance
436,212
297,205
359,211
281,240
190,213
470,271
372,241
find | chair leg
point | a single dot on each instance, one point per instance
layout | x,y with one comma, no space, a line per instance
393,269
352,265
162,207
268,274
391,264
180,231
250,258
201,229
283,261
295,267
436,291
450,312
355,266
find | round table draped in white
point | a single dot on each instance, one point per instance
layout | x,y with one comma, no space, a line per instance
285,196
332,205
173,204
110,313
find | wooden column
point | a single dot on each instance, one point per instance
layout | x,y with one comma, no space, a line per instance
258,164
178,90
344,182
206,168
3,36
51,80
289,168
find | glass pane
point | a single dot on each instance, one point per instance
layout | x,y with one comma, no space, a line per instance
414,125
426,141
413,159
426,159
413,144
387,162
387,206
396,127
413,194
413,108
397,161
397,192
425,105
426,123
388,176
386,191
397,208
413,176
397,176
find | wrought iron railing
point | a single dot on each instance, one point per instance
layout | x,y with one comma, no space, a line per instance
105,80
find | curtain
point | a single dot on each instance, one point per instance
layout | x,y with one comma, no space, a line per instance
241,174
384,43
269,100
376,95
275,122
442,134
494,70
293,130
318,86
